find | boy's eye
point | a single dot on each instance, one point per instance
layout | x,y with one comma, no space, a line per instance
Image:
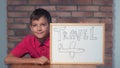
43,25
34,25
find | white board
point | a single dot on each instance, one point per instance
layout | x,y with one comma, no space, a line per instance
75,43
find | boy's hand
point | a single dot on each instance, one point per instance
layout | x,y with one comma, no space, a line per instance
42,60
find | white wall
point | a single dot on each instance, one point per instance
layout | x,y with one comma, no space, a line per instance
116,53
3,35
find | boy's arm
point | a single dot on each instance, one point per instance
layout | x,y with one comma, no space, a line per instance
11,59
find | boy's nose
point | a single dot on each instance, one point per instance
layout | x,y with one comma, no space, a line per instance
39,28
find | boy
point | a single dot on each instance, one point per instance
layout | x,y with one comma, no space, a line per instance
37,44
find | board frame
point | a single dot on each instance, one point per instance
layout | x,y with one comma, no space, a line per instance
77,24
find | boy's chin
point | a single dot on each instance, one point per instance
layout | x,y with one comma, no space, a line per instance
40,37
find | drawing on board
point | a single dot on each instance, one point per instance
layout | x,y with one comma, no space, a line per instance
77,43
72,50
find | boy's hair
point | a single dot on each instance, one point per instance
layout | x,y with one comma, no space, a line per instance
37,13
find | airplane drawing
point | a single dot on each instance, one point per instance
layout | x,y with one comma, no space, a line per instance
72,50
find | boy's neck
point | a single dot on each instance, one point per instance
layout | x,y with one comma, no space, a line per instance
43,39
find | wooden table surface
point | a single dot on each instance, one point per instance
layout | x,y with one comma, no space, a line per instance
51,66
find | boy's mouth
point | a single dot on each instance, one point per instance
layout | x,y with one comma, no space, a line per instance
39,32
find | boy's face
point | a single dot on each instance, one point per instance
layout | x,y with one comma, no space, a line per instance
40,28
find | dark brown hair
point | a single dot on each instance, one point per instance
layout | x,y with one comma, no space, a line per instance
37,13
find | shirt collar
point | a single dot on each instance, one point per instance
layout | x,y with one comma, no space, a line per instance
45,43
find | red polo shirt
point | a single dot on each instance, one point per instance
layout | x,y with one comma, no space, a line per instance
31,45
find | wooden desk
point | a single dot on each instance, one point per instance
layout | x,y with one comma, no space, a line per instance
52,66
